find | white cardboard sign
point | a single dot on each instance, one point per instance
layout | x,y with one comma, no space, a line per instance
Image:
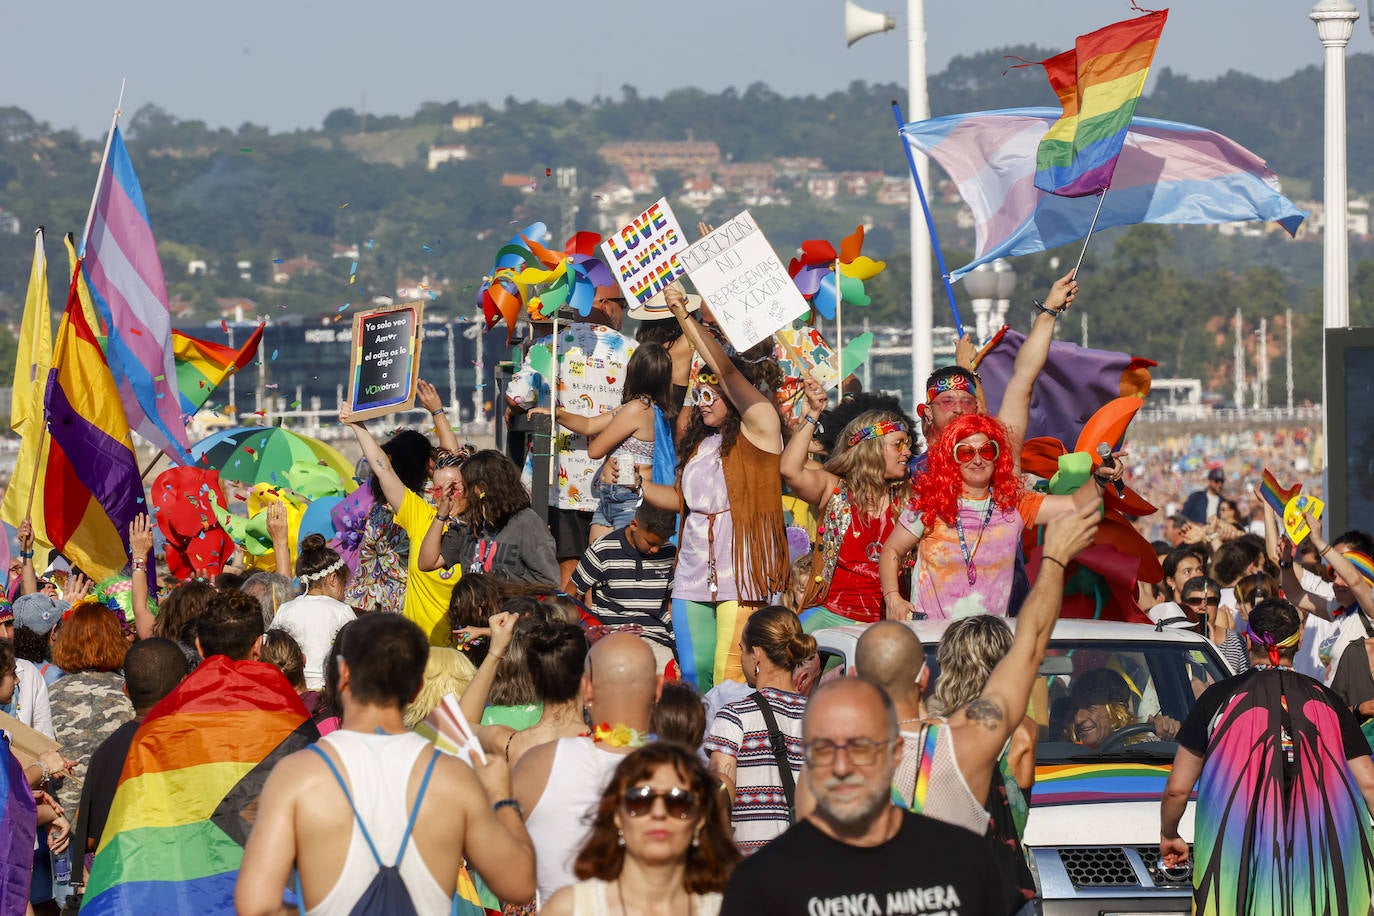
644,254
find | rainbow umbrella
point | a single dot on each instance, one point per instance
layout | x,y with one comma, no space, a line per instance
277,457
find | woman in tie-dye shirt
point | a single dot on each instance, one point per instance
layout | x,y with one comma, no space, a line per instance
964,523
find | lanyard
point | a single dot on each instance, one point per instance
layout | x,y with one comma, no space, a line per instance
970,566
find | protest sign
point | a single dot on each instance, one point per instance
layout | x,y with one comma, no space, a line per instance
742,280
643,255
385,359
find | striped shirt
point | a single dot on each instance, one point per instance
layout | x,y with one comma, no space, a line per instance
760,812
628,587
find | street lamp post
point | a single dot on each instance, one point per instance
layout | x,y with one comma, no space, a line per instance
1006,285
858,24
981,286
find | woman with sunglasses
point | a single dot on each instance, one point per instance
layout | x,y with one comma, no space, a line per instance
659,842
861,491
965,523
732,547
427,591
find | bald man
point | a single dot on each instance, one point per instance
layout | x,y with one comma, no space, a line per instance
856,852
560,783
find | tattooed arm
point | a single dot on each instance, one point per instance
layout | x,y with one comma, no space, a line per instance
980,730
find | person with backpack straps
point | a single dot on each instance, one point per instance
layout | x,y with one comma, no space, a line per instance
372,818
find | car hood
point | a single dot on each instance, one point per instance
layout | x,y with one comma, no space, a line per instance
1098,804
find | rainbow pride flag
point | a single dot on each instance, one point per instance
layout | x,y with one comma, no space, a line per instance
175,836
1276,496
91,484
203,366
1098,83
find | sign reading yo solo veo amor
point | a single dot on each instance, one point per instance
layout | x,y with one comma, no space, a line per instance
385,359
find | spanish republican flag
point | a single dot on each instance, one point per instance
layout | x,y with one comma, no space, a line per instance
91,486
26,403
188,793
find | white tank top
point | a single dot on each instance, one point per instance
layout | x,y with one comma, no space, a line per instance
590,899
378,769
562,816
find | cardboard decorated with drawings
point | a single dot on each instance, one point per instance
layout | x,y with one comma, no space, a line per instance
643,255
740,277
385,359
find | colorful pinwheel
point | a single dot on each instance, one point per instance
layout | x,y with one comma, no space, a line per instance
815,273
528,275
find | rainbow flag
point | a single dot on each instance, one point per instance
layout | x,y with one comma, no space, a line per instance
1099,84
1168,173
181,814
122,268
91,484
203,366
1276,496
18,825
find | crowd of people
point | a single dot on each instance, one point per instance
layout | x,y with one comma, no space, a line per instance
653,731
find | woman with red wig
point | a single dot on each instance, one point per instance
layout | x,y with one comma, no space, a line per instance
965,522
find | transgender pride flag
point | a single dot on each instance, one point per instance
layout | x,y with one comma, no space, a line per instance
124,274
1168,173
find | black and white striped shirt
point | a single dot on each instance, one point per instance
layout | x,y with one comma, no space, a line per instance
628,587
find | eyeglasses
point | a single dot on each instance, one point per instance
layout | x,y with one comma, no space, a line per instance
1199,601
988,451
862,752
639,801
704,397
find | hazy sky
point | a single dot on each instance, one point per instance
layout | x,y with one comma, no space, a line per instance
287,63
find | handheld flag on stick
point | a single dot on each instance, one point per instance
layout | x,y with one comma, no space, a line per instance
203,366
1275,495
121,265
1168,173
1099,84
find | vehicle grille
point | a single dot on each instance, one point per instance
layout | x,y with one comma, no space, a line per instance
1098,866
1180,877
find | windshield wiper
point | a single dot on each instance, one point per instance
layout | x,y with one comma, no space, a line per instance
1123,755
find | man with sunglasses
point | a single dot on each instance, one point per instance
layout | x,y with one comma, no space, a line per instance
857,852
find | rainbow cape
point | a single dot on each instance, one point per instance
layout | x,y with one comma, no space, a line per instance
203,366
1099,84
176,831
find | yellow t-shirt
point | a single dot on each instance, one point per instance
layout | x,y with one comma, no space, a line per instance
427,593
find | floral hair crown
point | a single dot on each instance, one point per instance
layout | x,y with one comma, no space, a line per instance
307,578
876,431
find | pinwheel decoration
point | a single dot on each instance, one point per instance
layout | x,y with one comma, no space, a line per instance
528,275
819,269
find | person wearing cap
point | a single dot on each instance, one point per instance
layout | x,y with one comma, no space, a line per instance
594,354
956,390
1284,783
1202,505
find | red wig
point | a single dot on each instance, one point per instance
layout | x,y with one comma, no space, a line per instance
938,490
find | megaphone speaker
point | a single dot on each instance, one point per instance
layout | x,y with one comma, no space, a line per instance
859,22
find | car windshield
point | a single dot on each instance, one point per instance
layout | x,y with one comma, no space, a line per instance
1096,700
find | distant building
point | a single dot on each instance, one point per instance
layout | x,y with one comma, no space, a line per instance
641,182
893,191
236,308
823,187
349,251
754,178
611,194
690,157
858,184
462,123
526,183
9,223
291,267
197,268
438,155
700,192
798,166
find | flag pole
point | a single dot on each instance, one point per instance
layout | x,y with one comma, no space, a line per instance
839,322
1101,196
930,225
100,176
553,409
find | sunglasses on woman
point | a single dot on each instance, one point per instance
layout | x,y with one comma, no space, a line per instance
964,452
639,801
1199,601
704,396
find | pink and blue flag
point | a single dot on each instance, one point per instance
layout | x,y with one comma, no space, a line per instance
122,268
1167,173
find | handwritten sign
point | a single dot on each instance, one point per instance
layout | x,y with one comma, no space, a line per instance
749,291
644,254
385,359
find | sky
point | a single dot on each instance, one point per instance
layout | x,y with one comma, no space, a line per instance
287,63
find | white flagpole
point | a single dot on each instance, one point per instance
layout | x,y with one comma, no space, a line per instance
100,176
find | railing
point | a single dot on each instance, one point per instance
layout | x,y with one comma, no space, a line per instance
1185,413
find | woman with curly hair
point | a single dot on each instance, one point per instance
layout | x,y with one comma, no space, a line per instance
965,524
861,490
485,524
659,842
732,546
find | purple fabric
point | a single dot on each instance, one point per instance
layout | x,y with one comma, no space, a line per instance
1074,385
18,827
350,518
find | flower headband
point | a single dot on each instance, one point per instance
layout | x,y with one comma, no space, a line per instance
953,380
307,578
707,377
876,431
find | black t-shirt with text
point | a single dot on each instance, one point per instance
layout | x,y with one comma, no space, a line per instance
929,867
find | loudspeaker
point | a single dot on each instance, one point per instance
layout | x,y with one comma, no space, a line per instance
859,22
